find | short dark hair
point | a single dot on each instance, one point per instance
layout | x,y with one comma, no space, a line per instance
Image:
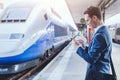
91,11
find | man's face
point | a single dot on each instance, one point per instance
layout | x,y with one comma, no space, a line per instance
90,21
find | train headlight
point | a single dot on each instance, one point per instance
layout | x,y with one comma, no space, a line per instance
16,36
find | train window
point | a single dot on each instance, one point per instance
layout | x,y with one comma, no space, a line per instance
118,31
16,14
45,16
60,31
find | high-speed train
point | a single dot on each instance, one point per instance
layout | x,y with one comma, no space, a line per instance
116,37
26,32
115,32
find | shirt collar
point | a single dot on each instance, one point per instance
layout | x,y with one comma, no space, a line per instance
96,29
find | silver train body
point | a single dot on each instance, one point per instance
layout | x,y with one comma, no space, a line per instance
115,32
26,33
116,37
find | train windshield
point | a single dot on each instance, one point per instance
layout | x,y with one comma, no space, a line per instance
17,14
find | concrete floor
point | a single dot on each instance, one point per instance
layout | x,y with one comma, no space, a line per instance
69,66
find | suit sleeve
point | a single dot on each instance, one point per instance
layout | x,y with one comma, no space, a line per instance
93,53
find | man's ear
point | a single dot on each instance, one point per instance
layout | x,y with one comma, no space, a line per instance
94,17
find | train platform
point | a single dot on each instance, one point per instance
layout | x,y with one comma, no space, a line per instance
69,66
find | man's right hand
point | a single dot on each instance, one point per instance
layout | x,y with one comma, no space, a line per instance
79,42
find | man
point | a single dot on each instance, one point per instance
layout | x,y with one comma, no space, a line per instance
97,54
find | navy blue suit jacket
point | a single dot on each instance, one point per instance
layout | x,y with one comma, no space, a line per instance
98,61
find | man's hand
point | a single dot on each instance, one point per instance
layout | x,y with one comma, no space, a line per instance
79,42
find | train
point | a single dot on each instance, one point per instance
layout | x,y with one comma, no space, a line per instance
27,32
115,32
116,37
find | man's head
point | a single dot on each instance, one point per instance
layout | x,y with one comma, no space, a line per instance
93,16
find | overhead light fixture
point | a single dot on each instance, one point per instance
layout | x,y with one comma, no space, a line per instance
106,3
110,2
101,3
